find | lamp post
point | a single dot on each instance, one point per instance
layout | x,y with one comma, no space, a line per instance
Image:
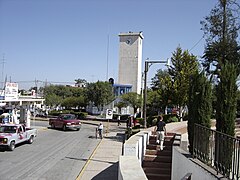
148,63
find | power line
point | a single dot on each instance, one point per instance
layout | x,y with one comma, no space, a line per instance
196,43
49,82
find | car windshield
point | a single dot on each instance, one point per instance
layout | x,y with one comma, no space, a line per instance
69,116
8,129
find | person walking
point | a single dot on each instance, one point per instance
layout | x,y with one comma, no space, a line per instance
100,130
118,120
160,129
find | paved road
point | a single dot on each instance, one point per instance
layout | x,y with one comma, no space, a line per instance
55,154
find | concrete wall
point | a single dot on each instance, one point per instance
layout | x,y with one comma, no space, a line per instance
136,145
183,164
130,169
133,153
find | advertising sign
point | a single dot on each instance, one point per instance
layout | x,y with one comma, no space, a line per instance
11,91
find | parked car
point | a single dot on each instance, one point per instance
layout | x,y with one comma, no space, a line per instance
13,134
65,121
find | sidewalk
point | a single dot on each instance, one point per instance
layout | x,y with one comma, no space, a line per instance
103,163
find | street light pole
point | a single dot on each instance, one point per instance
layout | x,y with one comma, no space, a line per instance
148,63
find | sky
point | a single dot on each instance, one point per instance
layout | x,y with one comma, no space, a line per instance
58,41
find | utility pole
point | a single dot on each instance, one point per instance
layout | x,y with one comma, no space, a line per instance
3,62
148,63
107,56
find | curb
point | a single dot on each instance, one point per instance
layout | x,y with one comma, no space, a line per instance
88,161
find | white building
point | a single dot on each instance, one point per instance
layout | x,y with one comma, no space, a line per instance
130,60
9,96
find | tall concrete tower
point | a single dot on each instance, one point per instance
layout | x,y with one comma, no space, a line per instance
130,60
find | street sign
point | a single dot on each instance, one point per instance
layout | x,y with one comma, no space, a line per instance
109,114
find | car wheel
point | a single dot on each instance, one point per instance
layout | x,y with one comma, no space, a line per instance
52,126
78,129
64,127
12,146
30,141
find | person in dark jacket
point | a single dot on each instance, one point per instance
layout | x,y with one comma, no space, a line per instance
160,129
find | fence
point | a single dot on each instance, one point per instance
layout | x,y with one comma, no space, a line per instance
218,150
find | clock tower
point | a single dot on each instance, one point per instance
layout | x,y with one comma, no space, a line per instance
130,60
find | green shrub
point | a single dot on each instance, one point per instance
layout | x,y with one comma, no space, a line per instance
170,118
174,119
140,121
131,131
54,113
151,121
81,115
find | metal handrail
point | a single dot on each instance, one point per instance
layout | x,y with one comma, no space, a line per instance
218,150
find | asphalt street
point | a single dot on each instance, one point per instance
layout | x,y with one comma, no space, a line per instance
55,154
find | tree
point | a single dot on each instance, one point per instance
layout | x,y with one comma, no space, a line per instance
154,103
221,32
183,66
133,99
226,115
222,50
227,100
53,100
120,105
74,102
199,108
57,94
222,60
162,84
80,82
99,93
59,90
238,103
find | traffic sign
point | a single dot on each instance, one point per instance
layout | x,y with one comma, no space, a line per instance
109,114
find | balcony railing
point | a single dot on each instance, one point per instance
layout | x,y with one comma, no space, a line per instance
218,150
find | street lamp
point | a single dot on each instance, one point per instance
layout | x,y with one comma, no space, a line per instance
148,63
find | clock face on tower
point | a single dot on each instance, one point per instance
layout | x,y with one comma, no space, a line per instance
129,41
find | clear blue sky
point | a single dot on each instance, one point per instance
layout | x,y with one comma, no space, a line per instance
63,40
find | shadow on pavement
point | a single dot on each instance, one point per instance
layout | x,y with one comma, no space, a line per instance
108,174
119,137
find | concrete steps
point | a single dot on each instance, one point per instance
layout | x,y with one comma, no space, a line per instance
157,164
157,152
154,176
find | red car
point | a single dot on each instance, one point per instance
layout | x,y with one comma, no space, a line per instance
65,121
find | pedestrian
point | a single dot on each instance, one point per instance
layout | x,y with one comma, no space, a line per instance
96,133
100,130
118,119
127,122
160,129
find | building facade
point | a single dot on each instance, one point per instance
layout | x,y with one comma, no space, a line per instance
130,60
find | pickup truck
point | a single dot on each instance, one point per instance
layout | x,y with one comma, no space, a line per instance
13,134
65,121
